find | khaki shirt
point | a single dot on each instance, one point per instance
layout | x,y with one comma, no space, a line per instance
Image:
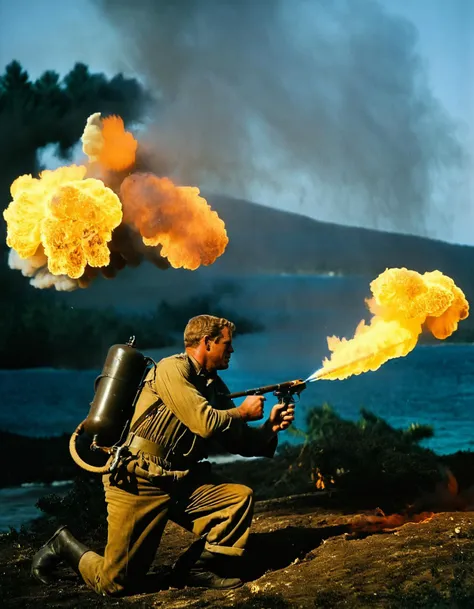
193,413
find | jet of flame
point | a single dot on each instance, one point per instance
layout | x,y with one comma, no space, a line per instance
173,218
403,304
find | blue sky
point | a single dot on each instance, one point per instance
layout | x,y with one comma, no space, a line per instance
53,34
446,34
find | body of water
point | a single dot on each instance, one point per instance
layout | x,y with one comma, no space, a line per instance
432,385
18,503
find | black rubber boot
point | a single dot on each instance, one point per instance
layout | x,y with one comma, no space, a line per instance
62,546
210,571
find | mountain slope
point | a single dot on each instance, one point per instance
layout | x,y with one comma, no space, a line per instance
264,239
268,241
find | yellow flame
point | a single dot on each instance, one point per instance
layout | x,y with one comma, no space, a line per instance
403,303
443,325
71,217
28,208
404,294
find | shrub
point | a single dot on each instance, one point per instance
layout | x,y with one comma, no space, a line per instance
367,457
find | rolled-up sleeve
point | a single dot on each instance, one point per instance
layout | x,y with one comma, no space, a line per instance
173,385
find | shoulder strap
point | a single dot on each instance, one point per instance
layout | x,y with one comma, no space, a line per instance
151,409
154,407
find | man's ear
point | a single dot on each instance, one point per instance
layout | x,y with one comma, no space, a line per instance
207,342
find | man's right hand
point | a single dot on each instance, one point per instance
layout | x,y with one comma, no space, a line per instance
251,408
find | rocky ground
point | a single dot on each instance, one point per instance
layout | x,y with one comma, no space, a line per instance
303,552
309,548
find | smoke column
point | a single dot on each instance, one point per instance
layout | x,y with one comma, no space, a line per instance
321,106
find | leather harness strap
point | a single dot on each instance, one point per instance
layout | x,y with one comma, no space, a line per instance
146,446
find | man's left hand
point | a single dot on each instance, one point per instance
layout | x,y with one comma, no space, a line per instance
281,417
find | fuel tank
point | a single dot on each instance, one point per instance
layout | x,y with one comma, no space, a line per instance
115,393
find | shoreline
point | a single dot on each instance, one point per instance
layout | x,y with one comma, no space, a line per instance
21,499
18,505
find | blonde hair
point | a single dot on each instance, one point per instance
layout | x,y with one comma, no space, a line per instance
205,325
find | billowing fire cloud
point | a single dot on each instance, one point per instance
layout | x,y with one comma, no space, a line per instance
173,217
65,225
105,141
403,304
62,219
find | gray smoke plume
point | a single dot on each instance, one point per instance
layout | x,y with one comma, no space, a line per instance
315,104
35,268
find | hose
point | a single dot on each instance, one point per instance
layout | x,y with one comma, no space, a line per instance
78,460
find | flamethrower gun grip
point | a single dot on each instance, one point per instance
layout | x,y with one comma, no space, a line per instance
286,394
284,398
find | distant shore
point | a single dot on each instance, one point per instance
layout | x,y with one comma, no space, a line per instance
156,353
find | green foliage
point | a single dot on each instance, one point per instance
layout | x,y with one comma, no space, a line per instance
367,463
366,457
38,330
461,464
83,508
43,332
51,111
36,327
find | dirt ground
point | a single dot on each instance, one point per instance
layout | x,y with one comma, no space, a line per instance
301,554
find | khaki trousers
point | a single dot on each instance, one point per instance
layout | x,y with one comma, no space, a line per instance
137,514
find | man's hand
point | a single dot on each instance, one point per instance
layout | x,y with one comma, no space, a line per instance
251,408
281,417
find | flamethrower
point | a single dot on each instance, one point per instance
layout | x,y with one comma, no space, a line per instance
284,392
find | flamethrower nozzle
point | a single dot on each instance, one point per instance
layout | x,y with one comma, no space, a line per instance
316,376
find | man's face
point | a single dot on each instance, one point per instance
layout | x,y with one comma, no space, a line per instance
220,350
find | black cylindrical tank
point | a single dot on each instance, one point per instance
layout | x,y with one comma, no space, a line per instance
115,392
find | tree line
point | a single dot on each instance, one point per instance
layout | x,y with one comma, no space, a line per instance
36,327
